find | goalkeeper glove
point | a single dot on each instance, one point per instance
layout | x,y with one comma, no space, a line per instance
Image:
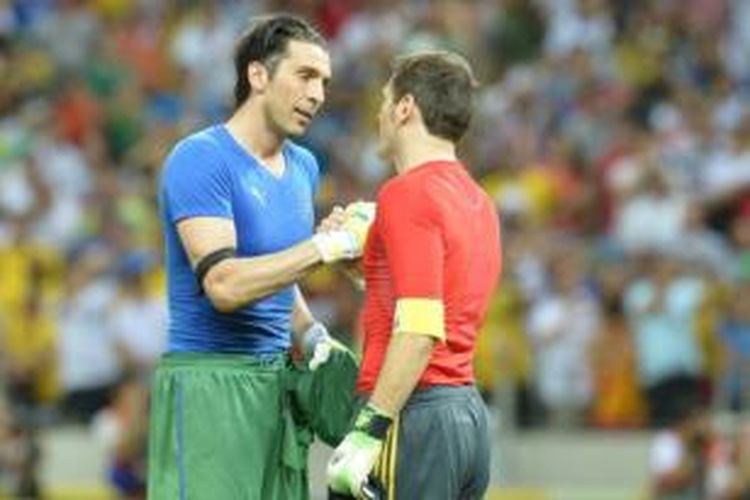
348,241
317,345
353,460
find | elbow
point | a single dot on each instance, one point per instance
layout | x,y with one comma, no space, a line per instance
222,300
224,305
429,346
221,293
423,345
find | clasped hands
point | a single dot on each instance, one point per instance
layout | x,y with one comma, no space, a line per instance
342,235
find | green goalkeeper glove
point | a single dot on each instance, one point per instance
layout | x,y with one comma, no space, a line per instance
353,460
348,241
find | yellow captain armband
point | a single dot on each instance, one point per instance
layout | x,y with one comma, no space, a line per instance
420,316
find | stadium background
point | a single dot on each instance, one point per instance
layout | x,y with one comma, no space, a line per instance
613,135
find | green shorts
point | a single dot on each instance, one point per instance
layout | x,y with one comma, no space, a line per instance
239,427
221,427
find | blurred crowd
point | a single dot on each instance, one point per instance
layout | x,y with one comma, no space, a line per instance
614,136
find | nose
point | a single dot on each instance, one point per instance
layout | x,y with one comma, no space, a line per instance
316,92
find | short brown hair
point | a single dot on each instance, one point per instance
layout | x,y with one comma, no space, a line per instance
442,84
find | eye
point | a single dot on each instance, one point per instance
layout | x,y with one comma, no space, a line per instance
310,74
307,74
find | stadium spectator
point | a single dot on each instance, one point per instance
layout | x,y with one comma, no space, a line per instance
679,454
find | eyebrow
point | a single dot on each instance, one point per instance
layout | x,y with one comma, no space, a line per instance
315,71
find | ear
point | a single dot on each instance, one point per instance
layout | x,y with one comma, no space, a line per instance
405,108
257,75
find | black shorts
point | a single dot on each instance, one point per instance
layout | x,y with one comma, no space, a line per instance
438,448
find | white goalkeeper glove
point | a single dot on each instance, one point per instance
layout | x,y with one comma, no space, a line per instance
348,241
317,345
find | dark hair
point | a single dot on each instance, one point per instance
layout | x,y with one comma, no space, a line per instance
266,41
442,84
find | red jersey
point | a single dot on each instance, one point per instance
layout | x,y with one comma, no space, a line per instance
435,236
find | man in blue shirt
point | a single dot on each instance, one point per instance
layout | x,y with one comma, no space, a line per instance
236,203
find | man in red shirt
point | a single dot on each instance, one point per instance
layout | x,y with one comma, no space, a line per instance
431,261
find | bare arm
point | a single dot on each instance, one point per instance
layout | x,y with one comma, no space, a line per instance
235,282
302,318
407,357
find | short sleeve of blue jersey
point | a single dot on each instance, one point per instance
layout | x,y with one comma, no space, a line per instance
196,182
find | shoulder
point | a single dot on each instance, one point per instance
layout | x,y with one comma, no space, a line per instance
400,189
413,196
431,180
200,148
204,141
402,202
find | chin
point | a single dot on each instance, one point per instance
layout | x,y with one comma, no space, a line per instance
295,130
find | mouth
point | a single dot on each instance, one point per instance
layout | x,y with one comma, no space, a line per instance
304,114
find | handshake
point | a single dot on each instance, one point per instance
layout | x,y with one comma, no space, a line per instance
342,235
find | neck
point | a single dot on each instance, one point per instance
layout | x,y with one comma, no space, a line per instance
248,125
420,149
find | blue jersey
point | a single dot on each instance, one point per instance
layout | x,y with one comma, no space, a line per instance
208,174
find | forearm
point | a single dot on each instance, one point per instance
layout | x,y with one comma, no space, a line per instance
302,317
406,359
236,282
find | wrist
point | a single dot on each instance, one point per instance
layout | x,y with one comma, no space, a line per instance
320,242
335,245
315,334
373,422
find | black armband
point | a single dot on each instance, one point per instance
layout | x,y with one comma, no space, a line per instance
206,263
